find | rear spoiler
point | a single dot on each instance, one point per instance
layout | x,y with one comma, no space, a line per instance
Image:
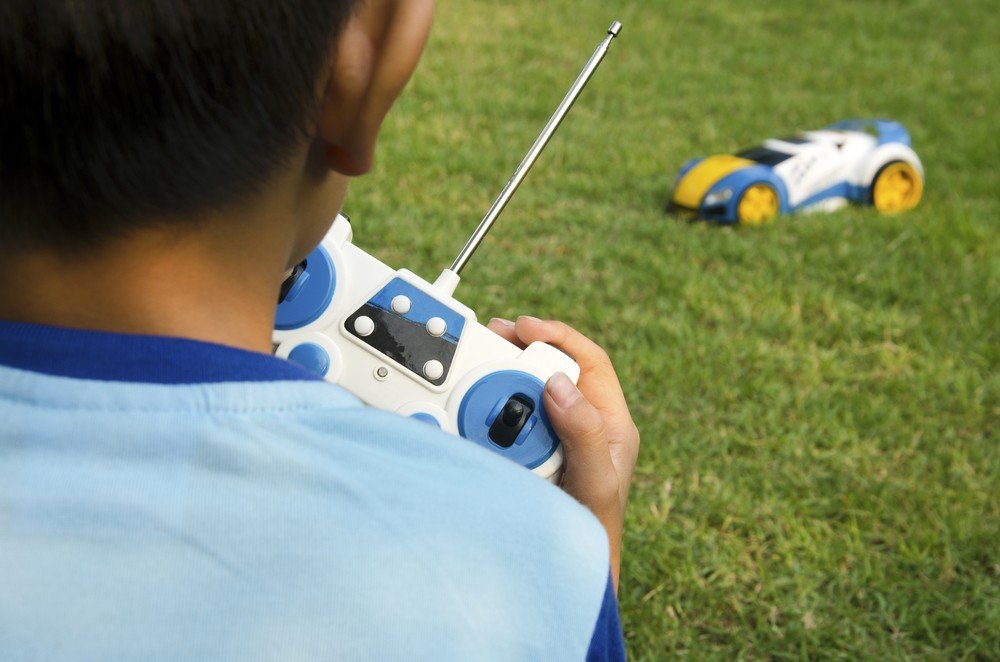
887,131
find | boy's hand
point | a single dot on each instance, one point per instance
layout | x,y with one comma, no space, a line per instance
600,441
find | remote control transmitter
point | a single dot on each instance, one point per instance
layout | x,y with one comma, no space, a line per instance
406,345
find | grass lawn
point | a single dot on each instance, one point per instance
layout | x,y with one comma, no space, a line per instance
818,398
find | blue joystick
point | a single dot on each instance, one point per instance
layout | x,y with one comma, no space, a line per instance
309,294
503,412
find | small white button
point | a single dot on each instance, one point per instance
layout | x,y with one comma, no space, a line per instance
364,326
433,370
401,304
436,326
381,373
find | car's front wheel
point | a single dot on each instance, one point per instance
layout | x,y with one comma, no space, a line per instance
897,187
758,204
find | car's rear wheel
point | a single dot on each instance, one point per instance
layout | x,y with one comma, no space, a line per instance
758,204
897,187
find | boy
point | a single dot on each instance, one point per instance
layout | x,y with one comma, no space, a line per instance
167,488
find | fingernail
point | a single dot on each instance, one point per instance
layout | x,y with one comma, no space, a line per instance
529,318
563,391
502,321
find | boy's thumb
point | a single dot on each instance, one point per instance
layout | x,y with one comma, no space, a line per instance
580,427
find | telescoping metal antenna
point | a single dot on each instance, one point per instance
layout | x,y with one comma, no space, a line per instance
449,278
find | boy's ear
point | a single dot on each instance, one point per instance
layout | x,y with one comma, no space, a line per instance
375,55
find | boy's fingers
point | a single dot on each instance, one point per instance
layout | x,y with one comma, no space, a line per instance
504,329
597,375
580,426
563,336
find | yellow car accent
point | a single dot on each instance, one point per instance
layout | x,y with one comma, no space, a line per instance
695,184
758,203
898,187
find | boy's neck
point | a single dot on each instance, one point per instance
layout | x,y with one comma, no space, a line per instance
203,285
215,278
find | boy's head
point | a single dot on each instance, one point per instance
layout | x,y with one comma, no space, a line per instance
119,116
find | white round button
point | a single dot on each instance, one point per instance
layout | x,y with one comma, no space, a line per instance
364,325
401,304
436,326
433,370
382,373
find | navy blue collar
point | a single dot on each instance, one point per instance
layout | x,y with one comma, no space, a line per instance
122,357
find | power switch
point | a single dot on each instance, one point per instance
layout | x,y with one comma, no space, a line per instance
511,420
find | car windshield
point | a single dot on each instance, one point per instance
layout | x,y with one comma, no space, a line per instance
764,155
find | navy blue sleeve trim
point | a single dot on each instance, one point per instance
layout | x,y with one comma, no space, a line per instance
120,357
607,643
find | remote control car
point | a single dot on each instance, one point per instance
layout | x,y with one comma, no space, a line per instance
861,161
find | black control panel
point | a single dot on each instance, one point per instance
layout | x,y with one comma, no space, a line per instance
405,341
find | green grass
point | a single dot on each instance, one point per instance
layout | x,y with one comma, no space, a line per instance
818,398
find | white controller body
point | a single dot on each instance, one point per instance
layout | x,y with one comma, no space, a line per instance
405,345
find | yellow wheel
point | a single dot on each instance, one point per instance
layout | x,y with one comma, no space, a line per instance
758,204
897,187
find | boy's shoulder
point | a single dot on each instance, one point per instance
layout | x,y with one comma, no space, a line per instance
257,508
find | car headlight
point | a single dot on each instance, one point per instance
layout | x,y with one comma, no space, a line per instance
718,197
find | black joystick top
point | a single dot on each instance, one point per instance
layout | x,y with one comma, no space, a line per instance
510,421
513,413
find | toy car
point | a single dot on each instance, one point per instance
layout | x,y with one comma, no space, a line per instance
861,161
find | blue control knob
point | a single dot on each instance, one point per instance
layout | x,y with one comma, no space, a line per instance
310,294
312,357
503,412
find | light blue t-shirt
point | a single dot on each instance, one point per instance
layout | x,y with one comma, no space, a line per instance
163,498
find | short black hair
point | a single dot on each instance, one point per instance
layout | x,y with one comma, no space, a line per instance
115,112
